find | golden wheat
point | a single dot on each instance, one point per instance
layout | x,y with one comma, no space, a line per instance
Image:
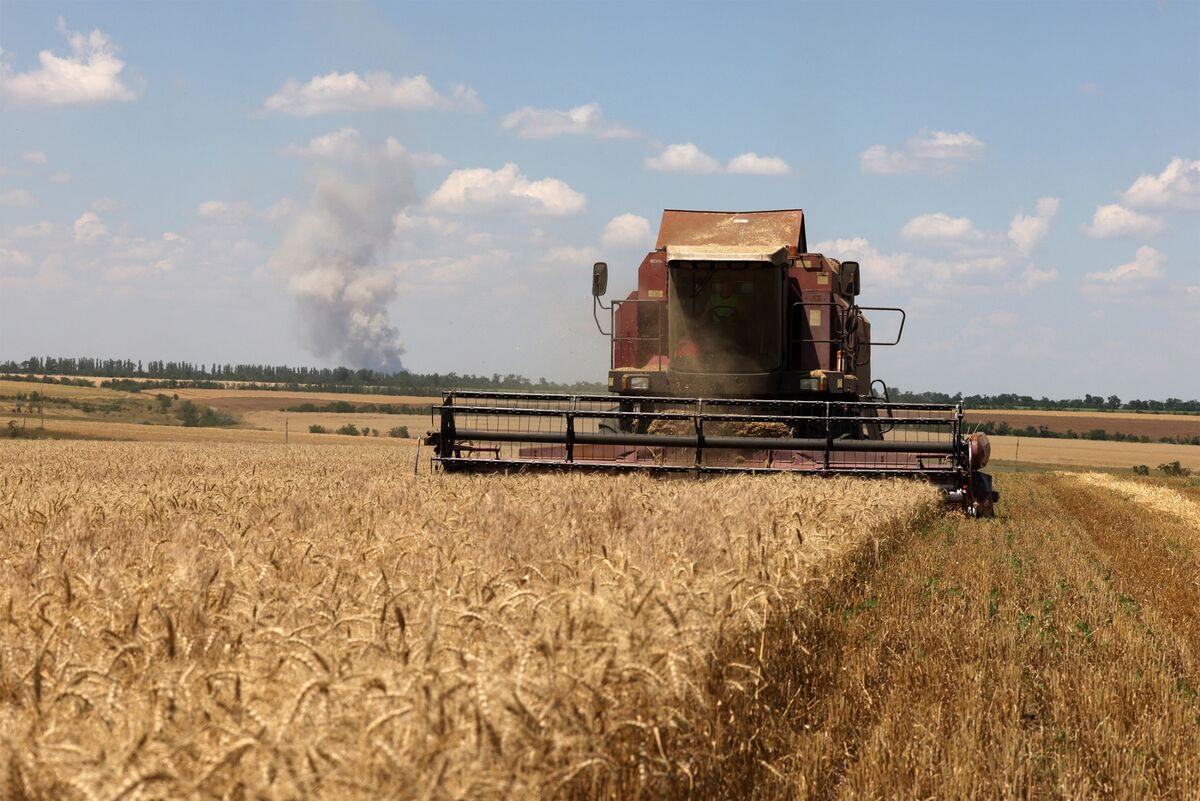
255,621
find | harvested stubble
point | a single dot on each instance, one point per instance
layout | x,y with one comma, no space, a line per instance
247,621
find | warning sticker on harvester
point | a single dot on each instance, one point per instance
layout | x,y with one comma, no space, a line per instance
814,316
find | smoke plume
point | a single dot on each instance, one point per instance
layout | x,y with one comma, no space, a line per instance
330,256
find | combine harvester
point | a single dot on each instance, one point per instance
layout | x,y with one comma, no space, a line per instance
741,352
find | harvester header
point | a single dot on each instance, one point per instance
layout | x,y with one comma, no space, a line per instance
739,351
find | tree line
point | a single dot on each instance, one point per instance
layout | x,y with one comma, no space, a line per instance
169,374
1008,400
322,378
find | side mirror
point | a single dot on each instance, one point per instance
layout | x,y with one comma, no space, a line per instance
599,279
850,285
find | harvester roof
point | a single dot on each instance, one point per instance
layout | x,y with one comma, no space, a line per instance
733,231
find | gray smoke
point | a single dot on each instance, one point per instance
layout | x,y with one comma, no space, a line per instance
329,257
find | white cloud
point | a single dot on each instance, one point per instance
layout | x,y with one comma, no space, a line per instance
89,228
106,204
171,236
227,211
544,123
14,259
1176,188
754,164
18,197
1027,230
345,145
884,269
90,74
464,98
627,231
279,211
1146,266
1115,220
930,151
404,221
481,190
444,273
569,256
939,227
342,144
34,157
967,268
35,231
1031,278
394,150
347,91
682,158
60,177
1089,89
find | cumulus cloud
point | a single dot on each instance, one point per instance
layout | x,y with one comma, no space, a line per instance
884,269
939,227
34,157
1146,266
224,211
569,256
754,164
329,260
35,231
347,91
627,231
342,144
279,211
60,177
107,204
1027,230
1031,278
394,150
89,228
17,198
11,258
1176,188
1115,220
926,151
346,145
685,157
482,190
90,74
904,269
544,123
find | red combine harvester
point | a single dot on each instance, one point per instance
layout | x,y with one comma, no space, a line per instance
739,351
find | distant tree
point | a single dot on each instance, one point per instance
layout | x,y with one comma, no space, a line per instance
317,429
349,429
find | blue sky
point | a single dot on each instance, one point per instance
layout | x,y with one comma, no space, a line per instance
331,183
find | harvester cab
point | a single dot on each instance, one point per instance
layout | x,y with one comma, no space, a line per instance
739,351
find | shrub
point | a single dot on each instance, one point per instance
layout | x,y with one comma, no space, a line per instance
1174,469
195,415
349,429
317,429
400,432
1141,470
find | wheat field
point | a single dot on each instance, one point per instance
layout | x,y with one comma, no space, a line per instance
246,621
